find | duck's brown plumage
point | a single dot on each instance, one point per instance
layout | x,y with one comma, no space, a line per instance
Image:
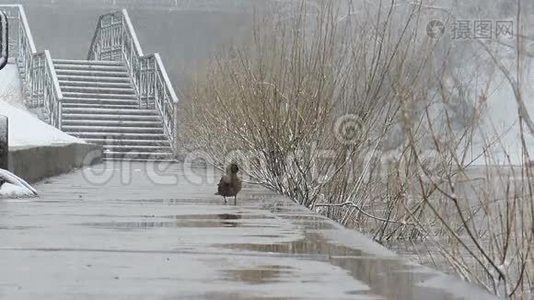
230,184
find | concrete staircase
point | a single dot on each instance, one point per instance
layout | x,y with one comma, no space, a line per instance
100,105
97,99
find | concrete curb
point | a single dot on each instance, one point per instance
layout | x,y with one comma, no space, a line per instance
40,162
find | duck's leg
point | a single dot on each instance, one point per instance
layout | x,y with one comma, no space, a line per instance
235,200
224,199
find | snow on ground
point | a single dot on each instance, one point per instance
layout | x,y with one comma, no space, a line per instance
12,186
11,191
25,129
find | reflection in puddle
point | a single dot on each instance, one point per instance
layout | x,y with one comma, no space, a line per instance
318,225
229,220
183,221
388,277
17,200
311,245
230,296
258,275
214,217
20,227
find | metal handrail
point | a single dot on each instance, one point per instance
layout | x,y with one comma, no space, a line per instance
115,39
39,79
132,32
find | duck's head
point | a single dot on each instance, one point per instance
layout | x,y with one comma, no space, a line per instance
232,168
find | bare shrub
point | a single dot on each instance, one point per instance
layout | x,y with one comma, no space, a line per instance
356,114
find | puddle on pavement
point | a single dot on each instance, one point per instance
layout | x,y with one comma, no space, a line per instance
315,225
306,246
17,200
233,296
279,209
258,275
20,227
187,221
201,217
388,277
309,222
301,217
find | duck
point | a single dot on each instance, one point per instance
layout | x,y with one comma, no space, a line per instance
230,184
12,186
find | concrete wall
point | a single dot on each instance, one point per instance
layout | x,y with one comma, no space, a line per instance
37,163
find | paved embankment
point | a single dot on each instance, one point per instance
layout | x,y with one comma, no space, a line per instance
130,232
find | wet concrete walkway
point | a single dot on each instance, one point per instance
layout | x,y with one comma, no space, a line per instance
116,232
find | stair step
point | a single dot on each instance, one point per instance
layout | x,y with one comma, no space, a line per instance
99,96
95,84
100,79
98,99
97,90
106,111
95,105
70,102
137,148
86,135
137,156
121,117
88,62
114,123
113,74
90,67
110,130
151,159
136,142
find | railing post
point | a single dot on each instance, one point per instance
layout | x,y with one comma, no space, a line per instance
4,142
155,91
175,128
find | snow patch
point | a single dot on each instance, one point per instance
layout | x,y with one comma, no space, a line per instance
12,186
25,129
11,191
